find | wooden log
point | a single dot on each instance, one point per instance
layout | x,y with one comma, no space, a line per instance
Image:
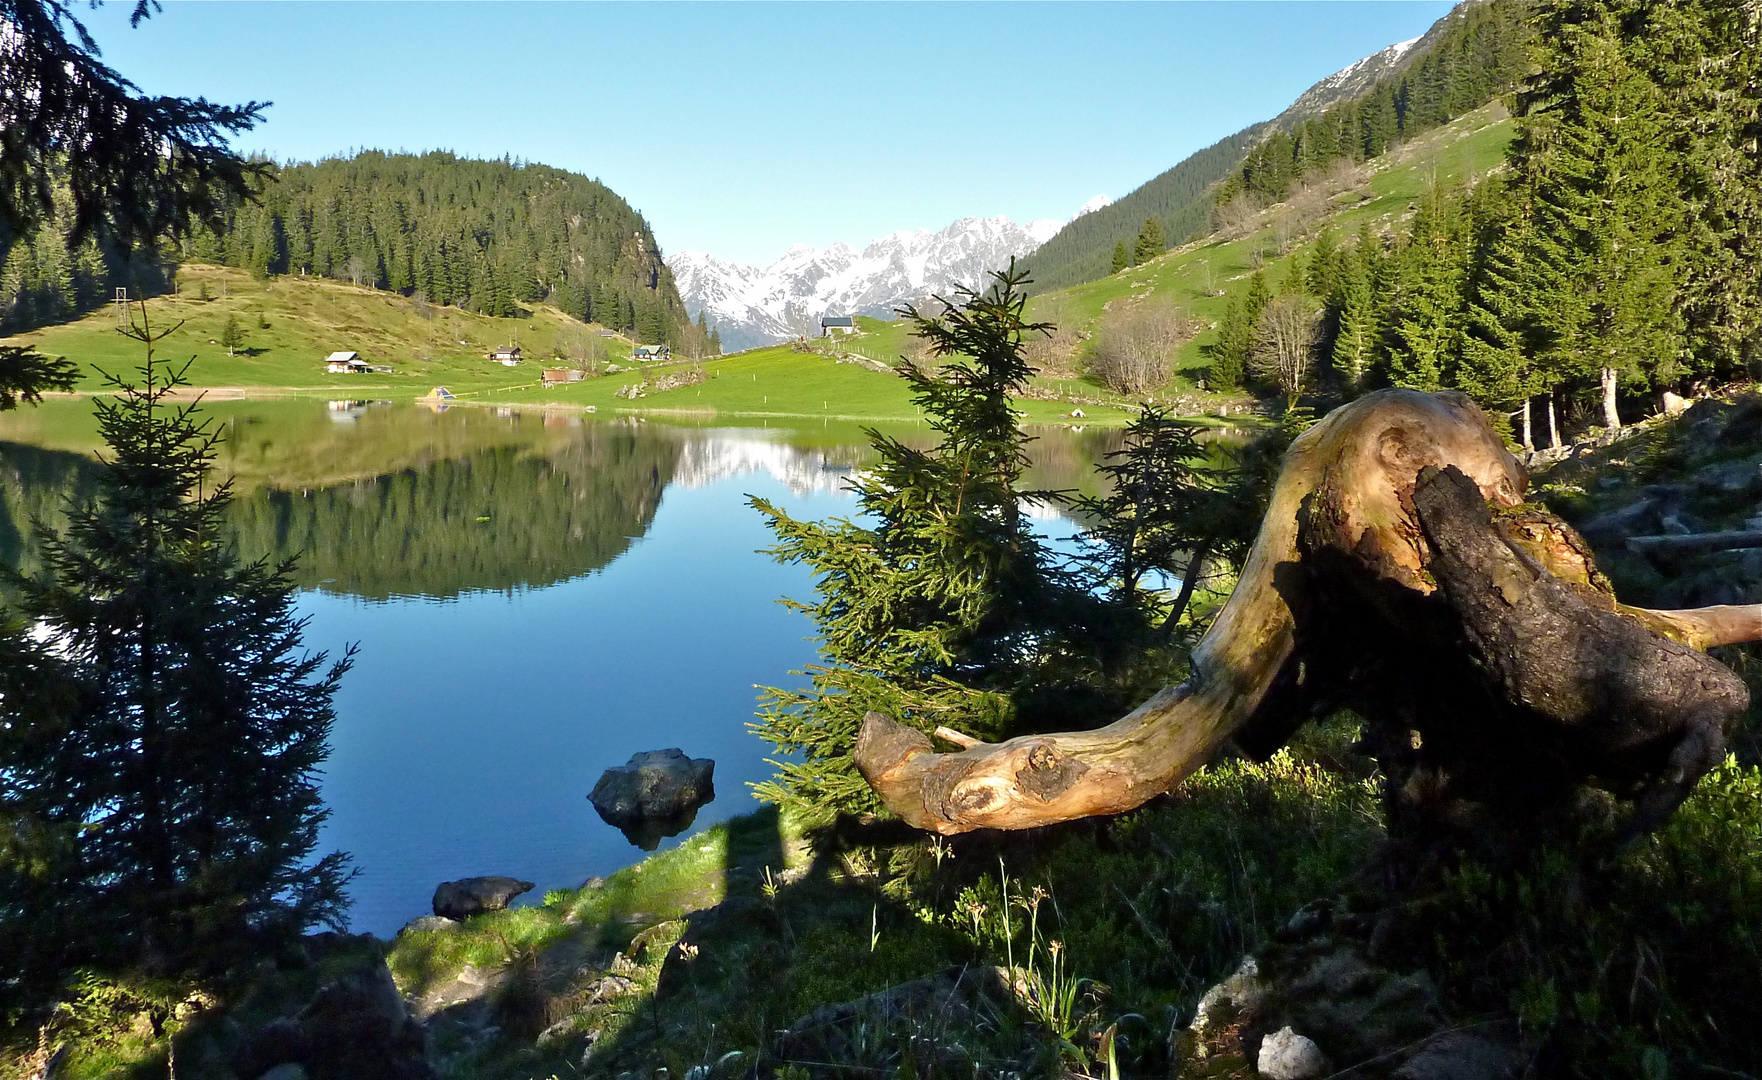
1342,512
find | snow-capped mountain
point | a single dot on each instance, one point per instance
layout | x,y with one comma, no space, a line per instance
1091,206
717,455
753,306
1354,79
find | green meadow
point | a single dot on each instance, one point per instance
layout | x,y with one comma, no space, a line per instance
291,324
1200,276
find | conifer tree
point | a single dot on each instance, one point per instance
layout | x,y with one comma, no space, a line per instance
1707,61
937,599
1255,300
1323,273
1121,258
1359,319
136,165
1427,331
1497,366
263,253
26,374
1151,242
179,767
1229,354
232,335
1609,229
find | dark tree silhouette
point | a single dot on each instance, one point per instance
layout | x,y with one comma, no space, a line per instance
135,165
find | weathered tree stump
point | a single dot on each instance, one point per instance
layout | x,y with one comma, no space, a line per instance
1397,573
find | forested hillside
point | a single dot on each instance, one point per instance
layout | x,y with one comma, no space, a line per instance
482,235
43,280
1615,254
1178,199
1473,54
1476,52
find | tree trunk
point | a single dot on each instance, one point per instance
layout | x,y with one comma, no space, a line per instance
1611,419
1395,572
1529,442
1553,425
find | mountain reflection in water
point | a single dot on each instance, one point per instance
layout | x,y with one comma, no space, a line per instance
537,598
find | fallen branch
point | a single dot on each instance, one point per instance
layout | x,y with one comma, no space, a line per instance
1338,591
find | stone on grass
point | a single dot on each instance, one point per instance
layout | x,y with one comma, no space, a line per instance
1286,1055
474,895
428,923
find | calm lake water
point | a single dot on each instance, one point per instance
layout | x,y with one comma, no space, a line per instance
536,598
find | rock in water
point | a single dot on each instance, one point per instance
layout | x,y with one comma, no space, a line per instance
474,895
654,794
1286,1055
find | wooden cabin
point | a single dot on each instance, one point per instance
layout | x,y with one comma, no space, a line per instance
346,363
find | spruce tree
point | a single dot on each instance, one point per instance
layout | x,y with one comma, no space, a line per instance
1229,354
1427,330
134,166
1255,300
934,603
1707,62
264,253
1151,242
1608,243
178,770
1497,367
1121,258
26,374
1358,317
232,335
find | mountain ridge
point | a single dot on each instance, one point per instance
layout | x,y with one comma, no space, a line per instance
751,305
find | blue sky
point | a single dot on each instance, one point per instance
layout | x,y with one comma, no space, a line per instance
740,129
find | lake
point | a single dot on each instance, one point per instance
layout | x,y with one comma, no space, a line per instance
536,598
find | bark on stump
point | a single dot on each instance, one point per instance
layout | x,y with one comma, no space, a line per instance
1398,573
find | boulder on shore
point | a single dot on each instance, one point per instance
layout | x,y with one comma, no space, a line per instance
654,794
356,1026
475,895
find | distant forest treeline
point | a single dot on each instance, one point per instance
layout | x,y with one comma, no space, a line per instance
43,280
481,235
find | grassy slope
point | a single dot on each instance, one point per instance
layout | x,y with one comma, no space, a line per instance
1470,146
309,318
